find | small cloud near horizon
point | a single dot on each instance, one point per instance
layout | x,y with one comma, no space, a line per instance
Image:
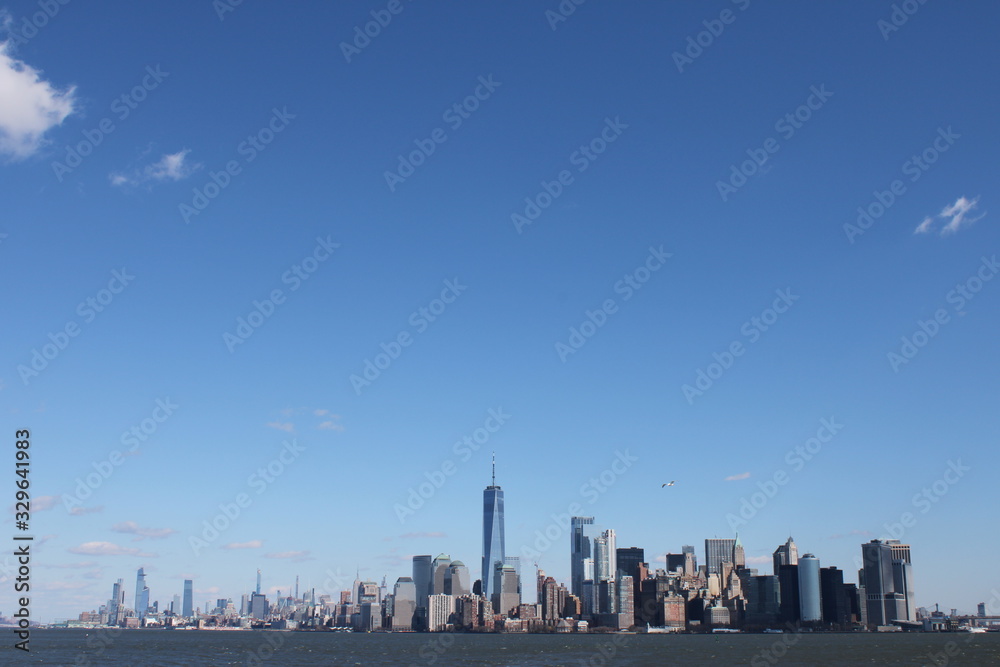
252,544
733,478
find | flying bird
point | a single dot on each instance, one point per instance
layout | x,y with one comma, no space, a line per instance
670,483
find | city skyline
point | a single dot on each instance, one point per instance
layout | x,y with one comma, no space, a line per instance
276,291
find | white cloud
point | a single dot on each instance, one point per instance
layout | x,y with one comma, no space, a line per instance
733,478
956,214
131,527
252,544
330,426
170,167
29,106
106,549
924,226
288,427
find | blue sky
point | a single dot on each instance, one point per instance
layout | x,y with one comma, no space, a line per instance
634,146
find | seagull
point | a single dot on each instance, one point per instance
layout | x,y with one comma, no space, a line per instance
671,483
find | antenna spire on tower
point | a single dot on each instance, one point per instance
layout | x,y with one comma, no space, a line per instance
494,468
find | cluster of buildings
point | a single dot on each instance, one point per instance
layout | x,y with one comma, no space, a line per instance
610,587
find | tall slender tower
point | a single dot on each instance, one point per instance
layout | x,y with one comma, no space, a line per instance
258,581
581,553
187,610
141,594
493,532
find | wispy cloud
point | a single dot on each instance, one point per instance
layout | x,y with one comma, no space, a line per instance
252,544
330,426
415,536
132,528
288,427
853,533
296,556
40,504
734,478
957,216
80,511
29,105
170,167
107,549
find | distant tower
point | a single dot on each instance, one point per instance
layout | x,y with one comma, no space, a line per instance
258,581
581,551
786,554
422,575
296,587
493,533
141,594
188,609
888,582
717,552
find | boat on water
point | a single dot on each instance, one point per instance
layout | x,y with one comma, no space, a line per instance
773,631
973,629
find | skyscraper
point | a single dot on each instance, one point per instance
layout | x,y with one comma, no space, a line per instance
441,575
810,607
258,581
717,552
188,608
888,582
785,554
141,594
422,575
580,553
459,579
605,557
493,533
404,596
116,603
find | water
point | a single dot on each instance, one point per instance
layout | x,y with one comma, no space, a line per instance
139,648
